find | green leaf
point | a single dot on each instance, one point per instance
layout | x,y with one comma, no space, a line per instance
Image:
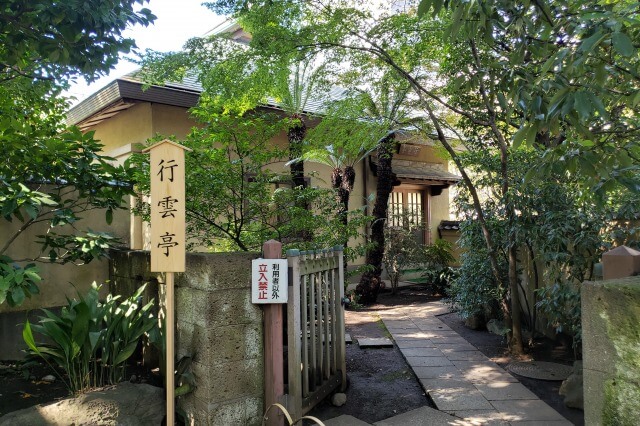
623,44
589,43
27,336
94,338
16,296
125,353
423,7
31,210
582,105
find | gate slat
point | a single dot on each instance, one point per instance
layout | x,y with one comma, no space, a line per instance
294,337
312,333
304,324
326,366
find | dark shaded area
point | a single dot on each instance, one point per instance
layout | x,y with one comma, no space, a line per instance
22,387
381,384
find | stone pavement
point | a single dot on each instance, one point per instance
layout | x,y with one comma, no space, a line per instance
466,386
460,379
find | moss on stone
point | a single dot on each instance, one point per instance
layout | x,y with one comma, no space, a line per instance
621,403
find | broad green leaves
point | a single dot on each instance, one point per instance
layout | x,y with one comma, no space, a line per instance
50,174
66,39
92,340
17,282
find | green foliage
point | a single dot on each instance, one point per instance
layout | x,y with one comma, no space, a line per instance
572,85
560,305
475,291
51,177
17,282
65,38
51,174
564,228
402,249
91,340
236,199
436,260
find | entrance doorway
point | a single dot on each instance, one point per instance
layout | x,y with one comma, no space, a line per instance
409,206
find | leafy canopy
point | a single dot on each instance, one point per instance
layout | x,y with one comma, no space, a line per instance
50,174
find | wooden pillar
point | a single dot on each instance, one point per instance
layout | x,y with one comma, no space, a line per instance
170,347
273,347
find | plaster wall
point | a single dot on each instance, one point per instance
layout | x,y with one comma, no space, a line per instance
131,126
170,121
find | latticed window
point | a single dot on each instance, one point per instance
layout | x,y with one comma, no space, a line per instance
407,209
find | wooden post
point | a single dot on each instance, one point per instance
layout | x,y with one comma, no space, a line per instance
167,172
273,348
169,331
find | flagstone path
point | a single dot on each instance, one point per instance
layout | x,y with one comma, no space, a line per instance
466,386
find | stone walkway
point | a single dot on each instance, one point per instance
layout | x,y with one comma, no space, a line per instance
466,386
459,378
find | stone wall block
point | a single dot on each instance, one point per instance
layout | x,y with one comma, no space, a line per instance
217,325
234,413
219,345
229,381
596,345
216,308
611,342
218,272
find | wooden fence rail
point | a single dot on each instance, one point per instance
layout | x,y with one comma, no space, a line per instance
315,328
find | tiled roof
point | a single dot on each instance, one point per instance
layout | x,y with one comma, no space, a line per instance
415,170
110,94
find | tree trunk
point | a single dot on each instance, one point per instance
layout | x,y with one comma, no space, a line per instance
369,284
342,180
295,136
515,343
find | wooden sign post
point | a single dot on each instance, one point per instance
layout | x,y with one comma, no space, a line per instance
273,324
168,239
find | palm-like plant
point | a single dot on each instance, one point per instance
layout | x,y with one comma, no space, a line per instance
387,104
341,157
294,89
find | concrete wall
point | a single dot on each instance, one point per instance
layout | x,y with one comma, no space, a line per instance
611,351
217,326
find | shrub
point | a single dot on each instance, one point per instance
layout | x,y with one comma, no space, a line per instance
560,305
475,291
402,250
437,258
91,340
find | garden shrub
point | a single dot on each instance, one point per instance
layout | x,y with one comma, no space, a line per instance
474,291
402,250
91,340
560,305
437,258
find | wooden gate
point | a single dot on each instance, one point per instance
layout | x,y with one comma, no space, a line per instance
314,328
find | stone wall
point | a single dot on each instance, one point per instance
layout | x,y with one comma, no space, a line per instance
216,325
611,351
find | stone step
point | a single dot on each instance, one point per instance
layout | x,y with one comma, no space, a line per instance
377,342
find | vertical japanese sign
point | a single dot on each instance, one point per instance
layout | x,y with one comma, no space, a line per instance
167,207
269,281
168,239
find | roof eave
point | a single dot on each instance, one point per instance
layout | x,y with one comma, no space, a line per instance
128,91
